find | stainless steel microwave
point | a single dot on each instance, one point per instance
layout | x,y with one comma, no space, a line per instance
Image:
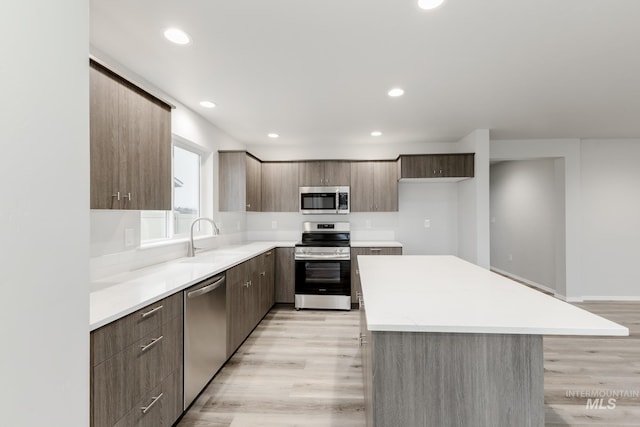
324,200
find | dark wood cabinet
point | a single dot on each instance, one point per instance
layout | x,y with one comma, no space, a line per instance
280,187
266,283
239,182
437,165
374,186
356,287
324,172
285,276
250,295
130,138
133,360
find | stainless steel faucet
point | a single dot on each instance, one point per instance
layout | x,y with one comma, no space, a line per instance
192,249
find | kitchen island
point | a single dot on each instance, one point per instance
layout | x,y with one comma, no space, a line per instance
448,343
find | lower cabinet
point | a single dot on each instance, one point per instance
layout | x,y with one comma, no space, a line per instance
356,288
250,295
137,380
137,361
285,275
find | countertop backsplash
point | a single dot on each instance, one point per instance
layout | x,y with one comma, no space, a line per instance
110,256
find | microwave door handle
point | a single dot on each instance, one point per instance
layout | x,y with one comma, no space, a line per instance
337,201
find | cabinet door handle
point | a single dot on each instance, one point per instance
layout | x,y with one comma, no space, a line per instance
117,196
269,253
150,312
145,409
264,273
363,339
153,342
127,196
249,205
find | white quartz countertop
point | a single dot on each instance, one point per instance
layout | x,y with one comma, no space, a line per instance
375,244
116,296
443,293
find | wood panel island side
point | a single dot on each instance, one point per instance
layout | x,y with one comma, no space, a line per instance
448,343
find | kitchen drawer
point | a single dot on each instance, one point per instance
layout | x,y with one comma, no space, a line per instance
166,409
121,381
116,336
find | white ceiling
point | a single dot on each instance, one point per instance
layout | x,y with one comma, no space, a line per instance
317,72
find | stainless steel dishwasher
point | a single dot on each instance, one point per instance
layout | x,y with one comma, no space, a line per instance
205,334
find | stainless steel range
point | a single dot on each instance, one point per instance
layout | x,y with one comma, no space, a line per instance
323,266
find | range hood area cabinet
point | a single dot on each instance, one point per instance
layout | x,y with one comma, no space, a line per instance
130,134
324,172
422,166
240,182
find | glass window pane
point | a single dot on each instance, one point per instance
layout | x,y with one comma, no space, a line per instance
186,188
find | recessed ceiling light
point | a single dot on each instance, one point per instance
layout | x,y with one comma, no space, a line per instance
395,92
273,135
429,4
207,104
177,36
376,133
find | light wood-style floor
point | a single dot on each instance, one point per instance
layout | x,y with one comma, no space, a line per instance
303,369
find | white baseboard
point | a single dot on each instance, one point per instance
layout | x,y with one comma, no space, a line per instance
586,298
530,283
610,298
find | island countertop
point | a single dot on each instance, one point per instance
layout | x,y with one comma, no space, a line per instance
443,293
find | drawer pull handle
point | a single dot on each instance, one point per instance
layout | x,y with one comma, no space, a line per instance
151,344
268,253
145,409
375,249
363,339
150,312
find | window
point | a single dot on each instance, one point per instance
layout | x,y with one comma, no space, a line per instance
186,189
187,176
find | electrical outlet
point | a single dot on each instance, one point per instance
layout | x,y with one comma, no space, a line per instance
274,224
427,223
129,240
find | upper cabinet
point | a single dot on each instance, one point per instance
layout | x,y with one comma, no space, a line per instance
437,166
240,182
324,172
280,187
130,133
374,186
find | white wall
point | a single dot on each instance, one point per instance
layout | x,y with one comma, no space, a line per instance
44,217
610,245
417,201
473,202
437,203
524,220
567,153
601,179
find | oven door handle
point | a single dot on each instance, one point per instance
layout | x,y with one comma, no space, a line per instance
346,257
